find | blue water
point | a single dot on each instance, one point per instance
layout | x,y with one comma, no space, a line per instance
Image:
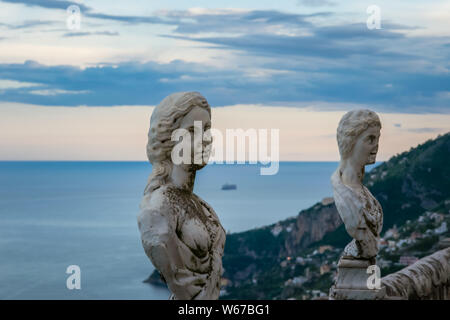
56,214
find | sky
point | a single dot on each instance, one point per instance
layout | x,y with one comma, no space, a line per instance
294,65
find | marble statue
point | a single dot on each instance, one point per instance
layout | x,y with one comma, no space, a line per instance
181,234
358,134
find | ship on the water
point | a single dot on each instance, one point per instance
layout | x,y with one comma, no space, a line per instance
228,186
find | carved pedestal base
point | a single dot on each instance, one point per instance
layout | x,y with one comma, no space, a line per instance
351,282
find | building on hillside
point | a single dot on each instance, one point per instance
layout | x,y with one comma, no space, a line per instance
392,233
327,201
438,217
415,235
322,249
224,282
383,243
442,228
384,263
276,230
298,281
325,268
392,244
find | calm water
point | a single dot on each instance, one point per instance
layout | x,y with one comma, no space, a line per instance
56,214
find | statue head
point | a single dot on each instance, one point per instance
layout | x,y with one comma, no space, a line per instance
177,111
357,136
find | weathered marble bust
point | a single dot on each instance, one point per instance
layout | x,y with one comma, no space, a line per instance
357,135
181,234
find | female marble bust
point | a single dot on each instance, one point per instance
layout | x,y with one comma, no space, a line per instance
357,136
181,234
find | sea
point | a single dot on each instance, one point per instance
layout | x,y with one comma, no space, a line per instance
59,214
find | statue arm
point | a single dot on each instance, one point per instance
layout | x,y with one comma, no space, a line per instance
212,291
161,245
347,205
219,244
218,252
349,212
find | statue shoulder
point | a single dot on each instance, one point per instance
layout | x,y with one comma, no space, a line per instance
156,200
344,193
341,192
348,204
156,213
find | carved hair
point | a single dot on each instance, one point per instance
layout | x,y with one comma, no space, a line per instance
352,124
166,118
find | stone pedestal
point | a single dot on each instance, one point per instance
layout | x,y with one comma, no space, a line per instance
351,282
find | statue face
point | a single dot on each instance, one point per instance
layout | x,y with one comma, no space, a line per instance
199,149
366,146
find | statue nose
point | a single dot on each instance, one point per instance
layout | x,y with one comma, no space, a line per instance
207,142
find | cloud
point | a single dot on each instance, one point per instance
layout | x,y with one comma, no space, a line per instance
201,20
26,24
126,83
316,3
272,45
240,22
273,57
54,92
49,4
12,84
272,32
83,34
128,19
148,83
85,10
424,130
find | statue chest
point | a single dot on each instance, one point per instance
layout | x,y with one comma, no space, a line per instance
197,225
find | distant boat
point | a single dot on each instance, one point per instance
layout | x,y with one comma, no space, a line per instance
228,186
